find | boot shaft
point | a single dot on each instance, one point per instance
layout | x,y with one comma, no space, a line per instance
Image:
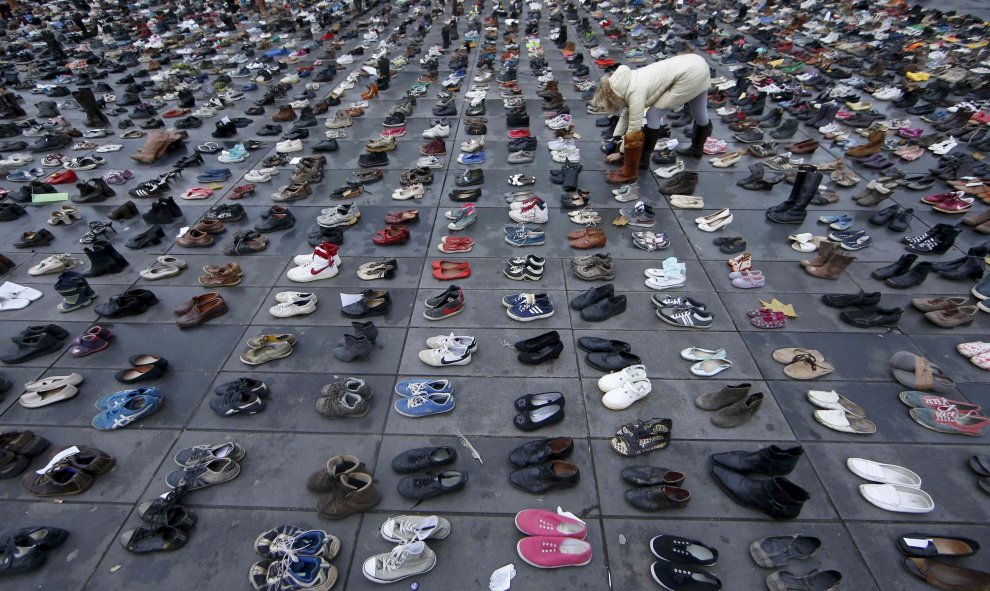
784,499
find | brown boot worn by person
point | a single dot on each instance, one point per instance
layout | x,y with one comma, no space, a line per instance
633,145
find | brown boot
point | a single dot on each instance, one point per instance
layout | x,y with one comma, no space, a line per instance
172,138
285,113
832,268
872,146
153,146
825,250
356,493
629,172
325,480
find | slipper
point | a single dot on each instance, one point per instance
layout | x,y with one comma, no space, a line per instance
883,473
899,499
840,420
918,373
980,465
39,398
73,379
787,354
973,348
930,546
710,367
832,400
699,354
807,367
133,134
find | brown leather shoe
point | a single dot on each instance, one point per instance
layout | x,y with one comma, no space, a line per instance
805,147
60,481
194,238
946,576
285,113
202,312
210,226
186,307
225,276
356,493
593,238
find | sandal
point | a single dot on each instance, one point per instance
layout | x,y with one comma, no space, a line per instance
521,180
587,217
242,190
164,266
741,262
384,269
64,215
97,230
197,193
118,177
807,367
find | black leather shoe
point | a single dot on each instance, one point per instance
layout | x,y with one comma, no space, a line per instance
277,218
604,309
547,338
423,458
539,451
772,460
367,307
470,177
651,476
883,217
593,344
860,300
429,485
592,295
898,268
537,418
538,401
872,317
34,239
612,360
370,159
546,476
546,352
658,498
120,306
464,195
326,146
777,497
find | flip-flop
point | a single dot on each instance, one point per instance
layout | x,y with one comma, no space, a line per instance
918,373
208,148
832,400
807,367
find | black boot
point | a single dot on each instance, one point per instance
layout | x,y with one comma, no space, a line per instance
186,99
650,138
899,268
968,268
806,191
912,278
698,138
777,497
802,175
87,101
102,260
772,461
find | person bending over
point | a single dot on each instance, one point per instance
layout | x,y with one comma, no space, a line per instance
655,90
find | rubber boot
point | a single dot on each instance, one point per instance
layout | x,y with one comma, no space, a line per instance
650,138
75,291
630,162
698,138
94,116
354,347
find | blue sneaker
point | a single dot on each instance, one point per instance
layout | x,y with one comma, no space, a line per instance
249,87
523,236
531,309
477,158
119,416
236,154
214,174
119,398
519,298
410,388
424,406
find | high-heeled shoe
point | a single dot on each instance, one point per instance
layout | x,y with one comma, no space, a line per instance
97,229
371,93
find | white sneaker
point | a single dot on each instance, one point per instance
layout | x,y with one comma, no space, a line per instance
292,308
625,395
665,281
537,214
944,147
473,145
286,146
318,267
560,144
429,162
568,154
437,131
452,353
615,380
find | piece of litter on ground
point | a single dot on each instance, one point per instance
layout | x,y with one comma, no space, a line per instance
560,511
115,568
622,539
501,577
72,556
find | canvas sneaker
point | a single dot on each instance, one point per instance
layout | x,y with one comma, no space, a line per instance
537,213
686,317
533,308
405,560
411,528
410,388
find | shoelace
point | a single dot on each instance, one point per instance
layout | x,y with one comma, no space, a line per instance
397,557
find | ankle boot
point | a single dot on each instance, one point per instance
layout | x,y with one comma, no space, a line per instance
186,99
898,268
356,493
940,241
123,212
967,268
739,412
832,268
104,259
172,207
777,497
75,291
772,461
326,480
911,278
797,212
149,237
698,138
158,214
728,395
354,347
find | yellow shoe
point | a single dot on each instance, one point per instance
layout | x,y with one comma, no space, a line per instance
860,106
917,76
776,63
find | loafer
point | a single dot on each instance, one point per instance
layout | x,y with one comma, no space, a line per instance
544,477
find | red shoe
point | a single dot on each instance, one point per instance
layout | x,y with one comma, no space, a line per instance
455,244
327,36
445,264
604,63
393,132
434,147
941,197
241,191
175,112
391,235
518,133
955,204
61,177
452,272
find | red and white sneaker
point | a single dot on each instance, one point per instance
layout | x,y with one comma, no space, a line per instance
393,132
553,551
322,264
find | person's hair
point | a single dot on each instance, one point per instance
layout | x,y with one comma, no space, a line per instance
606,98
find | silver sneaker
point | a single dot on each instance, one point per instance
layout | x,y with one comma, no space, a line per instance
405,560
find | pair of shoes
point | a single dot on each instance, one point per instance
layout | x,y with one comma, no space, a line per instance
345,398
776,496
268,347
608,355
240,396
295,558
599,303
122,408
734,405
625,387
446,350
29,547
553,540
541,465
538,349
344,486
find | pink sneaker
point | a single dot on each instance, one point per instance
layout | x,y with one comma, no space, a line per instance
553,552
393,132
540,522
